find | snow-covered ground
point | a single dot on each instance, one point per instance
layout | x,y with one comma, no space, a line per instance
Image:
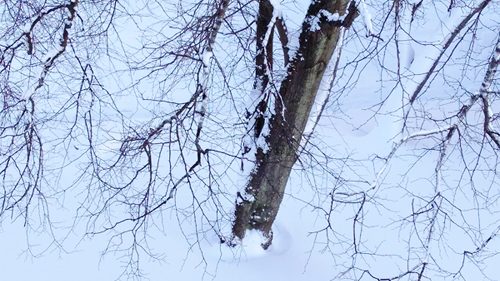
321,233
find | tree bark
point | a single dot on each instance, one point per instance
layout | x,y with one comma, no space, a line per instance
293,105
264,57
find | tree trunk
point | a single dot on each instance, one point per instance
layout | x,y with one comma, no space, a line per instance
297,93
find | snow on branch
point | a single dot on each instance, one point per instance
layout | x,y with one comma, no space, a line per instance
367,18
403,140
485,92
458,29
483,95
283,36
51,56
492,69
314,21
322,16
202,88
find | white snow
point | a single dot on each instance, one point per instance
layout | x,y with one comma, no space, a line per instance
207,55
331,16
367,18
297,253
276,7
315,20
52,53
252,244
26,27
410,56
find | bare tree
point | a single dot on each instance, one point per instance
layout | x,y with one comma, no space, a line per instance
208,108
292,106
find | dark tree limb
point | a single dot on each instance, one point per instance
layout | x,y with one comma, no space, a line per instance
264,58
297,93
283,36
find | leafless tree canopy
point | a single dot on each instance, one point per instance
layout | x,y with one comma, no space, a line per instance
215,111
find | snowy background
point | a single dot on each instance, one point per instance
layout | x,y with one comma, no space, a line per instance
320,216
